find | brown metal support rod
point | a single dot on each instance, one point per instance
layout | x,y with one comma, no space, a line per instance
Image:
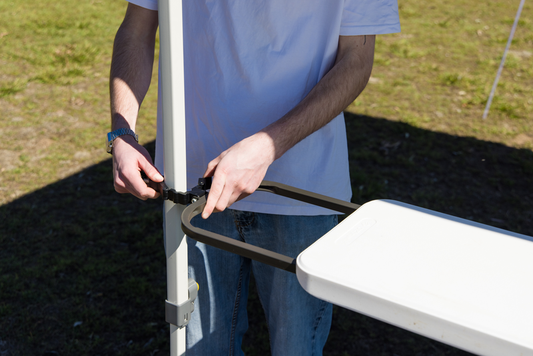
250,251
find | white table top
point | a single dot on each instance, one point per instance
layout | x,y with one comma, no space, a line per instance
462,283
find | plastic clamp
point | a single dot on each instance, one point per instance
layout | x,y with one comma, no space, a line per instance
180,315
188,197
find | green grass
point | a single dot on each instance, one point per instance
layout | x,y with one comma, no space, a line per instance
82,268
445,61
54,89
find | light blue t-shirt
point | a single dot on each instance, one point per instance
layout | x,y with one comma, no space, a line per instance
249,62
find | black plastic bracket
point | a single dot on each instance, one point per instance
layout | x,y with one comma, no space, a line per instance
188,197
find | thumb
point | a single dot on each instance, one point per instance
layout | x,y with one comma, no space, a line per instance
151,172
211,167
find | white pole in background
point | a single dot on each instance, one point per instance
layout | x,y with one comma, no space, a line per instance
173,100
495,84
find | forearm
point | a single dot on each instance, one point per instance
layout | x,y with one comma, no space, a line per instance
337,89
131,72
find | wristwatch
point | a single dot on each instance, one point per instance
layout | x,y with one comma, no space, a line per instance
111,136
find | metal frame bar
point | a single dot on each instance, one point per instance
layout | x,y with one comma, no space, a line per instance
250,251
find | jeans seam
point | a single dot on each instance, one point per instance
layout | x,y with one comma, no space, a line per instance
267,317
317,324
239,222
235,313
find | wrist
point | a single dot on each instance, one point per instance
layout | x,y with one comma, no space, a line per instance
119,133
267,146
279,138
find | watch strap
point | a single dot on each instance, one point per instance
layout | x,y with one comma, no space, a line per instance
111,136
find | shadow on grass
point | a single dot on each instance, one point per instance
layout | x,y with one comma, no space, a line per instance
82,268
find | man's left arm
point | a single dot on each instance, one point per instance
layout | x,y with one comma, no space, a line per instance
238,171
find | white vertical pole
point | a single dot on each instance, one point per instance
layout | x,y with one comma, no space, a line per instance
173,92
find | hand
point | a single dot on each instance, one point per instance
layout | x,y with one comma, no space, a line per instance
238,171
129,159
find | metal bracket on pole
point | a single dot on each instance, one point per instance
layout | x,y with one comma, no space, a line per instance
180,315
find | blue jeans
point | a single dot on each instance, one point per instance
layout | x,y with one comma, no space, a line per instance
298,323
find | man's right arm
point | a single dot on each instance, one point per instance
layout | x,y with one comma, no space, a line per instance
131,72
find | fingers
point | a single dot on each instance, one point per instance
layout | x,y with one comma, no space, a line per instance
151,172
237,172
131,182
210,171
216,189
224,192
129,160
219,196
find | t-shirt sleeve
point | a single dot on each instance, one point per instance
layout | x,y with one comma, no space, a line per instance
147,4
370,17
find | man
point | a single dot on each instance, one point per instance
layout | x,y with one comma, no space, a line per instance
266,82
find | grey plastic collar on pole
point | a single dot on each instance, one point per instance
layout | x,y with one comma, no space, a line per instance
173,100
489,102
